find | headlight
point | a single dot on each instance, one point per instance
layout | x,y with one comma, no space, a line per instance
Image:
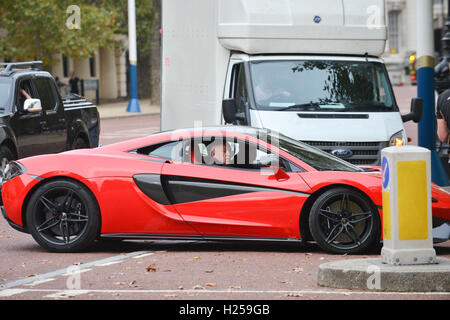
10,170
397,139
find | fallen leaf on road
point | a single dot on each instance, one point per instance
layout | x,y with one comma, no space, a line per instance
293,295
197,287
151,267
133,284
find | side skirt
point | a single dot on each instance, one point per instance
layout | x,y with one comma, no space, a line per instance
193,237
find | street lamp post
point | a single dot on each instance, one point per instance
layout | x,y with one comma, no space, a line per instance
425,87
133,105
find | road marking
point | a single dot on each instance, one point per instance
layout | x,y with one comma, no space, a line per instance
64,271
67,274
66,294
11,292
38,282
109,263
54,293
143,255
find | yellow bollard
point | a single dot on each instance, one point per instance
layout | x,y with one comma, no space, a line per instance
407,216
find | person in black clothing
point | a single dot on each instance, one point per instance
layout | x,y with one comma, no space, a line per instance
73,82
60,85
443,116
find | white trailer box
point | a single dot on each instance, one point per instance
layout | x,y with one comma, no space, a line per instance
303,27
199,36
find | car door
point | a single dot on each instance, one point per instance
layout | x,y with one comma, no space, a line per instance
54,121
235,200
28,127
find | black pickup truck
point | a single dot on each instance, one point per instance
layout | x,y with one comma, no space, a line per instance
34,119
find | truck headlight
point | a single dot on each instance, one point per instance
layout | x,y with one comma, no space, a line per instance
397,139
10,170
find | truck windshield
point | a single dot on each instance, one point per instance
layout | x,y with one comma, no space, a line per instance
322,85
5,93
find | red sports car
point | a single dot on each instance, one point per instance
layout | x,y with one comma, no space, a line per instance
221,183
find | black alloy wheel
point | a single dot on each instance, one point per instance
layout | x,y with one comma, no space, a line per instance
79,143
63,216
344,221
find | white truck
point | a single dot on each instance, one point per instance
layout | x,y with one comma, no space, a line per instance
308,69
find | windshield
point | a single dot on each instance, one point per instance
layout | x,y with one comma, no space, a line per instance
318,85
5,93
318,159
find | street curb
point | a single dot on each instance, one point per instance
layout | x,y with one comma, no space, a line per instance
372,275
129,115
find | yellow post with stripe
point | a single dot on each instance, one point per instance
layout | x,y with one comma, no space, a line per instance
407,216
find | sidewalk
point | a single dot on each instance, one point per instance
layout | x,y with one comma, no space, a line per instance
119,109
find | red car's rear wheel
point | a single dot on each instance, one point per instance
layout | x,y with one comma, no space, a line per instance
63,216
344,221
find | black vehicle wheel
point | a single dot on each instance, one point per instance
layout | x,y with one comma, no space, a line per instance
344,221
63,216
5,155
79,143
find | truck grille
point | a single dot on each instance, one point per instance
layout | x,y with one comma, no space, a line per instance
363,153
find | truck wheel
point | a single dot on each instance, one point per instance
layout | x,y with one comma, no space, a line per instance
344,221
79,143
63,216
5,155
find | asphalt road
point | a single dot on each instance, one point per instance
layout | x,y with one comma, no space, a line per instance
172,270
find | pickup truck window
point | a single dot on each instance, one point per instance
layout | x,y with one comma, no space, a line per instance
5,93
46,94
318,85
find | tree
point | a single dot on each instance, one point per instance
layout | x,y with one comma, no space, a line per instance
36,29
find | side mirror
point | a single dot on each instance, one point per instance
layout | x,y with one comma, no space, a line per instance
272,161
32,105
229,111
416,111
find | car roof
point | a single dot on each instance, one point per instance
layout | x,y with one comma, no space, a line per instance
186,133
17,73
19,69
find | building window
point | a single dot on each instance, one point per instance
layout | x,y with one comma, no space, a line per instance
65,65
92,66
394,34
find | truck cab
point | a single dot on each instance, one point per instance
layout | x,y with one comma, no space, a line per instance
322,101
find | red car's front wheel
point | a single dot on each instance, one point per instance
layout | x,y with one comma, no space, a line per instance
63,216
344,221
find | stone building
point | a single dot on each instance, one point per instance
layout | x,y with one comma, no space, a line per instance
401,17
109,66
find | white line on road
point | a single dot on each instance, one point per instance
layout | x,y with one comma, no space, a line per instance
64,272
55,293
11,292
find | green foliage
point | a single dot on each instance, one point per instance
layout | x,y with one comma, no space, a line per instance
36,29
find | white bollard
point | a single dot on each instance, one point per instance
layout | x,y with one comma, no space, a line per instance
407,216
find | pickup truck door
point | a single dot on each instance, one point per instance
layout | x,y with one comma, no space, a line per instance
54,126
27,127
